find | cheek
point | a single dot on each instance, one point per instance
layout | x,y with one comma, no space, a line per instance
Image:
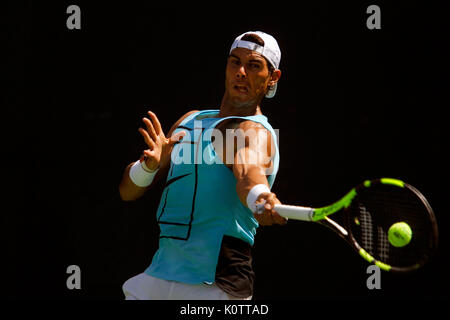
261,83
230,73
227,78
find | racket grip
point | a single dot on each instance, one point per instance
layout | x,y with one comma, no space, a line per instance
295,212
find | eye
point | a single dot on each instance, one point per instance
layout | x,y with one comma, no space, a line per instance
235,62
255,66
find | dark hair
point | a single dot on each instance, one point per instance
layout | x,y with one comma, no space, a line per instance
253,37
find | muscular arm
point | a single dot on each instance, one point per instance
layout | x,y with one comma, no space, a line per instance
152,136
252,160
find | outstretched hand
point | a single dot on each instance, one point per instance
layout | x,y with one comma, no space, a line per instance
159,146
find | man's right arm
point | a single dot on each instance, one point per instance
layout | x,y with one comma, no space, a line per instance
156,157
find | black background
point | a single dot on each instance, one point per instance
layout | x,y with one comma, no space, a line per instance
352,104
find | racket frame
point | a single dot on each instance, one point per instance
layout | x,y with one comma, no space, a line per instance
320,215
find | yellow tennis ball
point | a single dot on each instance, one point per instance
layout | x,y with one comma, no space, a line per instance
399,234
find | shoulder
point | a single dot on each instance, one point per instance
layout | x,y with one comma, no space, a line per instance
250,125
187,114
177,123
255,135
251,129
246,129
242,124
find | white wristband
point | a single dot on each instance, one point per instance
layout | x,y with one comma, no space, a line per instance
140,176
254,194
144,166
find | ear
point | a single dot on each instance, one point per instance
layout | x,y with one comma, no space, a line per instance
276,75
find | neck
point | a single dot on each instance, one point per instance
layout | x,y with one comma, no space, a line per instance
228,107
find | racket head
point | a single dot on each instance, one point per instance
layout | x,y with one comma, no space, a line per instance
377,205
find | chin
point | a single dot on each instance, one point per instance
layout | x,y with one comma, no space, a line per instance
240,102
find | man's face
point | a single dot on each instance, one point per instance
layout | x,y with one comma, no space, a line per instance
247,77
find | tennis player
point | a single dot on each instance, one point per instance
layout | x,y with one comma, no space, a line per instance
206,214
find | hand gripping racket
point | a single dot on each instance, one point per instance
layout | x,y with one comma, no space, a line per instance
368,211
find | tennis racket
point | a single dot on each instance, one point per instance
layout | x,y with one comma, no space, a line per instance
368,211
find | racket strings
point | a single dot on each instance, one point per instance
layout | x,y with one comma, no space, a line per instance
365,221
383,244
376,209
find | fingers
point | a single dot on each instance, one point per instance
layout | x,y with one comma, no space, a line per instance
153,129
176,137
269,216
150,129
278,219
156,124
150,143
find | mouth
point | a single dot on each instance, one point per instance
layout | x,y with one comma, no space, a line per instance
241,89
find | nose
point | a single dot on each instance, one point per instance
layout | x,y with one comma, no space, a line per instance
241,74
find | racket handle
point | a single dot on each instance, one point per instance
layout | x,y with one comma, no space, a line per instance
295,212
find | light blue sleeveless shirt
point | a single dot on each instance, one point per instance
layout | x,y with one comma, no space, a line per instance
199,204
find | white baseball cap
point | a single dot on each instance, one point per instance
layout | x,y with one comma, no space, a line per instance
271,51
